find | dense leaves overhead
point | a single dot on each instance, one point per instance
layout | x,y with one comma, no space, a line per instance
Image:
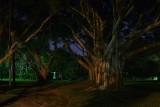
106,31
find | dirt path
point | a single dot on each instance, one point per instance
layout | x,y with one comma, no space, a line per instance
42,96
53,95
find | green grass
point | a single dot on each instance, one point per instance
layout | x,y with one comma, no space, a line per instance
19,80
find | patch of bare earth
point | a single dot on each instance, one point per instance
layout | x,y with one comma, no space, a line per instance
54,95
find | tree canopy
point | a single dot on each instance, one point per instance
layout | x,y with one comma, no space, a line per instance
106,32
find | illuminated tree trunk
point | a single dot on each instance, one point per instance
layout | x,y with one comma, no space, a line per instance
107,72
41,74
37,65
41,71
112,74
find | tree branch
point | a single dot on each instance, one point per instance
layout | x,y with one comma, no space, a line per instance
19,43
76,57
79,41
143,48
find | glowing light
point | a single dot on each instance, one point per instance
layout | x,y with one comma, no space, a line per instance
155,78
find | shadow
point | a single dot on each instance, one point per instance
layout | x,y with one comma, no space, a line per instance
31,88
128,96
5,88
45,86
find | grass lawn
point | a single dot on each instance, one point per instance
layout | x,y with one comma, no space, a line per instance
85,94
18,80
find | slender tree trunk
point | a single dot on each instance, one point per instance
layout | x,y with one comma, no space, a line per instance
13,69
13,59
10,73
11,42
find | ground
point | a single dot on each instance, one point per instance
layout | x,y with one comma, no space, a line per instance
86,94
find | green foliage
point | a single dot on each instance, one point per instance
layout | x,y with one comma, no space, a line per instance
4,70
57,5
24,70
70,70
142,67
154,57
64,63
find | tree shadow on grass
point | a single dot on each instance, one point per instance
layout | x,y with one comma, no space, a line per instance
133,95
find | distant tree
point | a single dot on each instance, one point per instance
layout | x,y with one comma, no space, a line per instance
155,58
140,68
23,69
64,64
37,63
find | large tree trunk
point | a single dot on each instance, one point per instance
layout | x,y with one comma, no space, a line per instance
109,74
108,69
42,70
41,75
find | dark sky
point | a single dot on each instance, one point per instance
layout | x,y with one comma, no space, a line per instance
60,45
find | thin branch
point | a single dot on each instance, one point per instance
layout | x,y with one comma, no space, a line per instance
129,9
133,36
115,14
17,44
82,14
76,57
144,48
87,31
28,60
78,47
79,41
89,62
38,30
35,55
